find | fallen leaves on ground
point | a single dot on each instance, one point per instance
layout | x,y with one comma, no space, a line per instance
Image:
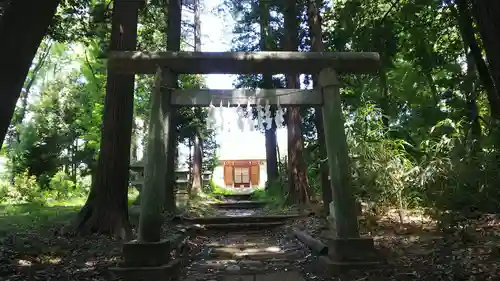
411,252
414,251
43,254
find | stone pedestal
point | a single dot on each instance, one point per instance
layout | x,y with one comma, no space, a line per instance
147,262
345,254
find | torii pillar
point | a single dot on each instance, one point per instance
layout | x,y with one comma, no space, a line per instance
346,249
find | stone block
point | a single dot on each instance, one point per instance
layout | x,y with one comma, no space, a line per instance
280,276
238,278
352,249
326,267
166,272
346,254
139,254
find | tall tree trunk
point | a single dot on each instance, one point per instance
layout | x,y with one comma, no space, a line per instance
28,85
190,158
4,7
465,24
106,209
197,183
380,47
314,22
486,13
297,173
267,83
22,28
173,30
197,163
14,133
271,153
197,25
471,96
74,163
471,51
134,142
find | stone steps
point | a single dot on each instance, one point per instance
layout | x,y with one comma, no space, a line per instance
255,253
237,227
238,219
249,256
237,197
247,204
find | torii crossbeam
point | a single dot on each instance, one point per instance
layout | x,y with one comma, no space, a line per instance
243,63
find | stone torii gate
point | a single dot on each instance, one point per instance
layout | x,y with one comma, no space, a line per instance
346,246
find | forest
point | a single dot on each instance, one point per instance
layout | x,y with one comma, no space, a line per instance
423,134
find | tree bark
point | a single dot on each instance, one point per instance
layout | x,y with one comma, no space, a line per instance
297,172
22,28
467,33
4,7
190,157
196,184
14,133
28,85
465,25
314,22
173,31
267,83
197,169
271,153
106,209
488,22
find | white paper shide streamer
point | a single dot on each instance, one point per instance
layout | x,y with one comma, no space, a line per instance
229,121
221,118
211,119
264,119
251,123
279,117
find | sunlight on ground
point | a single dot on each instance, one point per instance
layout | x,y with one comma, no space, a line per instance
22,215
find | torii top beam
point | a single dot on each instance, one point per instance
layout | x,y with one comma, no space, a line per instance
133,62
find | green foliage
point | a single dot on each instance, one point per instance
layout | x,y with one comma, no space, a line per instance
409,131
215,189
63,187
35,216
57,125
411,141
272,194
25,188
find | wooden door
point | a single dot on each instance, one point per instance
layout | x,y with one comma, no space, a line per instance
255,174
241,176
228,175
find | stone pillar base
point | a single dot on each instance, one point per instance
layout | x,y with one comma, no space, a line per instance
165,272
145,261
345,254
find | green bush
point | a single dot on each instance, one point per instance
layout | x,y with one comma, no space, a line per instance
26,188
214,189
272,194
62,187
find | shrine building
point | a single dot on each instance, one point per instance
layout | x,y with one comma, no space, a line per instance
241,166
